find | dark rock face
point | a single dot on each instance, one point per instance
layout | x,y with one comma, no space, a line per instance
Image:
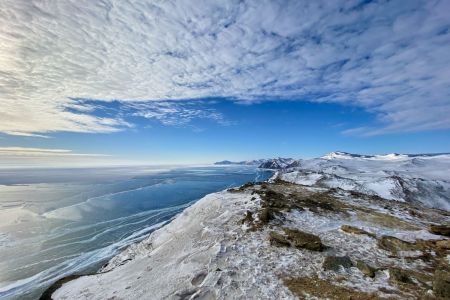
441,284
295,164
440,230
334,263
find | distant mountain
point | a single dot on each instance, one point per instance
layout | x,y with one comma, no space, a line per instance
277,163
255,162
390,156
225,162
273,163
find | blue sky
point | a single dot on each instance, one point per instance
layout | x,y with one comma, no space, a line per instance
110,82
245,131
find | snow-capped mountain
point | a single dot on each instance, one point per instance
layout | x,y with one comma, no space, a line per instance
390,156
277,163
416,178
274,163
254,162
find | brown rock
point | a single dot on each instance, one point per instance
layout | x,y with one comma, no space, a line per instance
397,275
366,269
334,263
300,239
443,244
355,230
279,240
440,230
266,215
394,244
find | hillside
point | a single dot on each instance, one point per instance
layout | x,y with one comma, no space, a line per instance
302,235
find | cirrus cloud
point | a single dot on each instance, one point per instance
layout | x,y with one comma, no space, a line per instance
388,57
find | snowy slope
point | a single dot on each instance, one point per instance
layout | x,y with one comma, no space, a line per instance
423,179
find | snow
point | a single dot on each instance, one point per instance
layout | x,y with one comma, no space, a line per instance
207,253
420,179
196,244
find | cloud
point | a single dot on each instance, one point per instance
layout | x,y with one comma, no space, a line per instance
388,57
26,157
24,151
177,113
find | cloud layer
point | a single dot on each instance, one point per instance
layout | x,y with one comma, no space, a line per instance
388,57
24,151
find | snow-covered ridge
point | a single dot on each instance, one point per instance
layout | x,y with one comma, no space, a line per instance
390,156
184,259
223,248
277,163
271,163
416,178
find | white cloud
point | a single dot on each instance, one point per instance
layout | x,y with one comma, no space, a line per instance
390,58
24,157
25,151
177,113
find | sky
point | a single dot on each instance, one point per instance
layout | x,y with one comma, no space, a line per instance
167,82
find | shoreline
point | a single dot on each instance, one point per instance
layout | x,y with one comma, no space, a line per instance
123,256
279,240
187,229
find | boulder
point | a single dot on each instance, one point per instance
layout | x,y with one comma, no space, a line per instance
394,244
296,238
366,269
440,230
355,230
334,263
266,215
303,240
279,240
397,275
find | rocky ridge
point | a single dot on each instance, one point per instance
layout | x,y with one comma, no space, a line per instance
281,240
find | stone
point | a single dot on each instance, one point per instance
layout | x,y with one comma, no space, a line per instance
440,230
334,263
303,240
296,238
443,244
355,230
279,240
266,215
366,269
397,275
394,244
248,217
